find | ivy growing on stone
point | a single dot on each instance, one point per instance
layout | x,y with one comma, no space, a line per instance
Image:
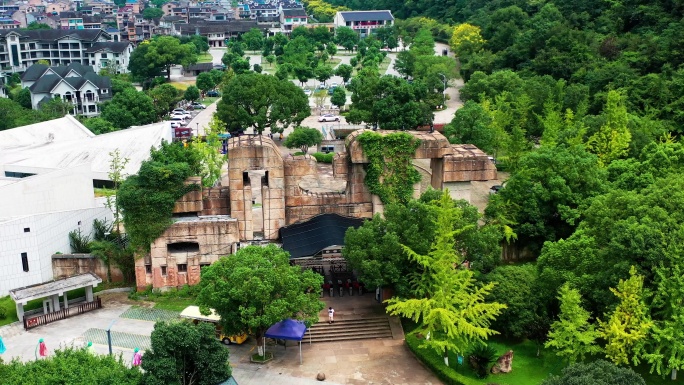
147,198
390,174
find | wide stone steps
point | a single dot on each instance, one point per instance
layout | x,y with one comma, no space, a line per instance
349,329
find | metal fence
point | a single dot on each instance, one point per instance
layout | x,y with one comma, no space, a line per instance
32,322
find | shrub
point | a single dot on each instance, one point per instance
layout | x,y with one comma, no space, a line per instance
479,359
432,361
3,313
324,158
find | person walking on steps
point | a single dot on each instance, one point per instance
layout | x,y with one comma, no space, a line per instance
331,313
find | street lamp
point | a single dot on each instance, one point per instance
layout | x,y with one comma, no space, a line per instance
197,123
444,80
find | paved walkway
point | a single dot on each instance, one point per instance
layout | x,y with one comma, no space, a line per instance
377,361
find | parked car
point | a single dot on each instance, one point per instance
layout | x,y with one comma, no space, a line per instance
307,92
333,84
179,119
176,124
495,189
328,118
213,94
181,112
331,90
197,106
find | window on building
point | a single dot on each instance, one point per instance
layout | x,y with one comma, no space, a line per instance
27,229
148,269
203,265
163,269
24,261
182,267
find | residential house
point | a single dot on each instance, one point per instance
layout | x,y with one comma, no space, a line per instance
292,18
59,6
78,20
112,55
19,49
364,22
75,83
9,23
217,33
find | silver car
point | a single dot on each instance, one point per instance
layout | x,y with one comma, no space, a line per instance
329,118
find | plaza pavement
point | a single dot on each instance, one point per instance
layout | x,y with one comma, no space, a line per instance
376,361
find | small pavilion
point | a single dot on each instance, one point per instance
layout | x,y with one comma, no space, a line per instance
52,290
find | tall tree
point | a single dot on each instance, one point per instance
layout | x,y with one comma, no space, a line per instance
253,39
612,139
572,335
344,71
164,97
346,37
166,51
262,101
450,306
183,354
205,82
129,108
256,287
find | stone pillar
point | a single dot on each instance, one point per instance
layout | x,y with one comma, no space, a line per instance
66,301
89,293
20,311
55,302
47,305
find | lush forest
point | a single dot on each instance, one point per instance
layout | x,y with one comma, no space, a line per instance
582,103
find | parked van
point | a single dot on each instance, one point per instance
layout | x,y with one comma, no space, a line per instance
193,313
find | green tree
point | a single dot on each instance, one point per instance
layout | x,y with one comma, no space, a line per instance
572,335
205,82
450,306
472,124
164,98
183,353
339,97
70,366
516,289
129,108
23,97
152,13
331,49
210,150
405,63
256,287
262,101
140,66
346,37
612,139
303,138
545,196
253,39
595,373
423,43
323,73
191,94
36,25
628,325
344,71
270,59
99,125
466,40
166,51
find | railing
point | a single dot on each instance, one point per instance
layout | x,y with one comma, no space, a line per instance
30,323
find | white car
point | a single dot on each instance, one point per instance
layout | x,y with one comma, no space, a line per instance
333,84
329,118
179,120
176,124
307,92
181,112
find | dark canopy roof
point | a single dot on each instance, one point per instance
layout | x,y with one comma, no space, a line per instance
288,329
305,239
366,15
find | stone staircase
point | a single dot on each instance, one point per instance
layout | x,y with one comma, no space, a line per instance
349,329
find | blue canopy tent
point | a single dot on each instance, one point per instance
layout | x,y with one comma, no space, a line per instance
288,329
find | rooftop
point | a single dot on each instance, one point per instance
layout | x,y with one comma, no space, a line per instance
60,286
366,15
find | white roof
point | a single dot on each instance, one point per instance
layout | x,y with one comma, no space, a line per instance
77,145
193,312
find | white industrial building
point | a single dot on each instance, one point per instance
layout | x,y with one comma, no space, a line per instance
47,174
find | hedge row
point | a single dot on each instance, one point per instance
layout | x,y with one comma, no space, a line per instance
436,363
324,158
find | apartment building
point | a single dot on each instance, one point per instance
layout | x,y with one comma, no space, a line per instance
113,55
79,20
19,49
293,18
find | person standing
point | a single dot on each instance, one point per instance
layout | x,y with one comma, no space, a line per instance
137,357
41,349
331,313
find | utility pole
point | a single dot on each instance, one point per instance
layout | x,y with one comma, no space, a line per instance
444,81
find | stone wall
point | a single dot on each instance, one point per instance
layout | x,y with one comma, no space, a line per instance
215,236
192,201
67,265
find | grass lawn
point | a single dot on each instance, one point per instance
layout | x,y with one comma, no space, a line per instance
104,192
182,85
205,58
207,101
174,304
384,65
173,299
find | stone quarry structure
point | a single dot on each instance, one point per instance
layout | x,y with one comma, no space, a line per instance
264,190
